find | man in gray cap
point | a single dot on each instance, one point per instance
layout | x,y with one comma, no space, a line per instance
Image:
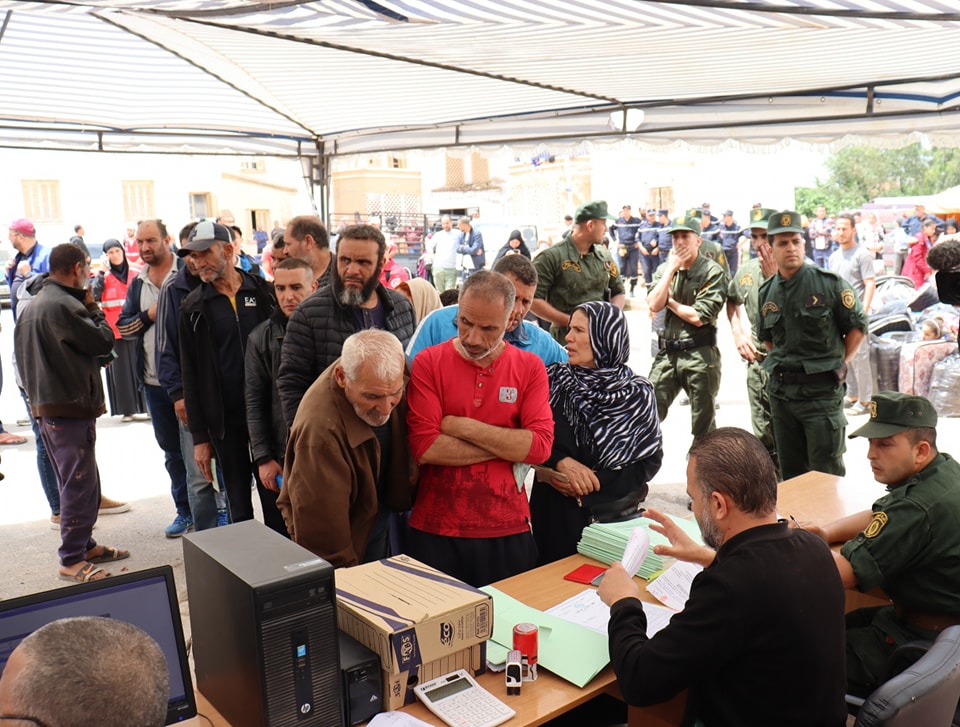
576,270
811,323
216,319
908,544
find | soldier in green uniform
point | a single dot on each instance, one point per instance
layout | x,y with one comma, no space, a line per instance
908,544
743,295
711,248
811,322
691,288
576,270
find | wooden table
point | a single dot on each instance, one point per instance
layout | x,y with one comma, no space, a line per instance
814,497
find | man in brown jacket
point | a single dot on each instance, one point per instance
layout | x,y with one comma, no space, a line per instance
347,464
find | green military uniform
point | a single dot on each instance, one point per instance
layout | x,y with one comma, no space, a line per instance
806,318
688,358
565,278
744,290
910,549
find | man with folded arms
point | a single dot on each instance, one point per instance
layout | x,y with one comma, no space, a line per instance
760,640
908,544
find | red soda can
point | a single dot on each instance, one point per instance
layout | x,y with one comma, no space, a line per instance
525,641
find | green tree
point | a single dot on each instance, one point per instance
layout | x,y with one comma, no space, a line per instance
861,174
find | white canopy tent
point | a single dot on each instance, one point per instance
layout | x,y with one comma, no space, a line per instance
344,76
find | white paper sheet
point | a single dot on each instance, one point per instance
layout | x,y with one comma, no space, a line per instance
672,587
587,610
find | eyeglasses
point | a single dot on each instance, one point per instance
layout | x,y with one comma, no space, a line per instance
18,718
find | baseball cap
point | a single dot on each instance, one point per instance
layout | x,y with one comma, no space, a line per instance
759,217
203,236
24,227
663,212
685,223
784,221
892,412
595,210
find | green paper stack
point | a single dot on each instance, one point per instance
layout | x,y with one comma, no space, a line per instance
606,542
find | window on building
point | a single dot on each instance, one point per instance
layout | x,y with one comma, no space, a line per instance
479,169
397,163
456,174
41,200
138,199
255,164
200,205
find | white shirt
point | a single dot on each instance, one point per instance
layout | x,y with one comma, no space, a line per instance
444,244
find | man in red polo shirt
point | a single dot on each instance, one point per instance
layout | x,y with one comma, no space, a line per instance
477,406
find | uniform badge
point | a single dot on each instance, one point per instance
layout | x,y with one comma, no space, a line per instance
786,220
758,214
746,280
508,395
876,525
848,298
614,270
873,409
570,265
814,300
770,307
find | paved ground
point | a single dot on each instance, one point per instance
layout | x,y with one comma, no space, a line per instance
131,467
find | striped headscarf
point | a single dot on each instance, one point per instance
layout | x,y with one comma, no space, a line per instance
613,411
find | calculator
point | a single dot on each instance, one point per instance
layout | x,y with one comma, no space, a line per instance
458,700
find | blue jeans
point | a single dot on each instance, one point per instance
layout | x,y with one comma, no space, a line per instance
200,493
48,478
166,429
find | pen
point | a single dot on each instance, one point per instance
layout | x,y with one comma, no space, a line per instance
796,522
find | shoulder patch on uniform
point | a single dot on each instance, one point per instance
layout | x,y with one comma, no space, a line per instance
770,307
746,279
614,270
848,298
879,520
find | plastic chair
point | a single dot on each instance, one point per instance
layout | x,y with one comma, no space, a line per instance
926,693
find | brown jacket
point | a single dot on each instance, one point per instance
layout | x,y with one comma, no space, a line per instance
329,495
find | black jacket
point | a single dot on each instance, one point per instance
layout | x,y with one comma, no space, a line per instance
200,362
315,336
265,423
58,341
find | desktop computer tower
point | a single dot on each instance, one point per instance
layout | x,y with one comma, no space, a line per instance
263,621
361,680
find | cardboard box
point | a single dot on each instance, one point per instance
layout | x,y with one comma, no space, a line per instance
410,614
398,688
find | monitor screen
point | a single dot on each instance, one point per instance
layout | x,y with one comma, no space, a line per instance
147,599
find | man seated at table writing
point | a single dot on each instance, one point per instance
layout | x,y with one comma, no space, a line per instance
908,544
760,640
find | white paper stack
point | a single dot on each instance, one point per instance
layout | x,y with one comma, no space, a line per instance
607,542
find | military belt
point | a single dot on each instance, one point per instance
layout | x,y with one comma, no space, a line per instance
706,336
924,620
799,377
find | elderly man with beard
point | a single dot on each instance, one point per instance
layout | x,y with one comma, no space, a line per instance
353,301
347,463
763,626
477,407
215,321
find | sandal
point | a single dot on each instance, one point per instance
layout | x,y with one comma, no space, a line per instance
10,438
109,555
88,573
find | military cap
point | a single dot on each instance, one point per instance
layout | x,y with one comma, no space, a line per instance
758,217
892,412
663,212
595,210
694,212
685,223
784,221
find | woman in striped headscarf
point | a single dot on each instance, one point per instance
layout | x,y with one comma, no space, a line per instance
607,443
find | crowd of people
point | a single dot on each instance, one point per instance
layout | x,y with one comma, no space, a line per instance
372,419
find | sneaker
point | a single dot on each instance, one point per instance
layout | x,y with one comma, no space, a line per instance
112,507
55,522
223,518
126,418
180,526
684,400
857,410
850,403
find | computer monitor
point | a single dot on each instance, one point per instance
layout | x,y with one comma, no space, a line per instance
147,599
